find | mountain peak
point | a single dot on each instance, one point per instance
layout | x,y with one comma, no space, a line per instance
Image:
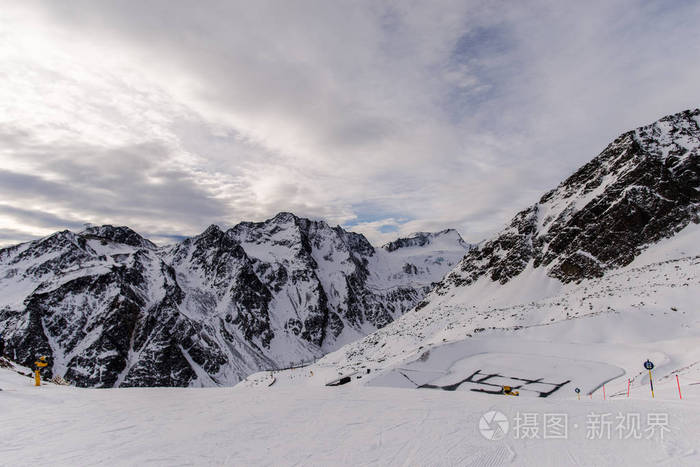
121,234
284,217
643,187
674,136
449,238
257,296
213,229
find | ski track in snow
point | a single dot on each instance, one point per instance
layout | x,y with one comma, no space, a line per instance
307,424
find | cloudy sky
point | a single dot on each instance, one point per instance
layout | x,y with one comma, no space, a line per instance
383,117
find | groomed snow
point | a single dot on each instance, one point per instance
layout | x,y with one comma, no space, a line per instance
308,424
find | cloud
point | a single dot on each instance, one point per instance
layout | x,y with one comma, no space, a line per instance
38,218
388,117
10,237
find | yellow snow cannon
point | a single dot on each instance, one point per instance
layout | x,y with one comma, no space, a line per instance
39,364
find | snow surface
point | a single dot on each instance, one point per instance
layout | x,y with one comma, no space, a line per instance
305,423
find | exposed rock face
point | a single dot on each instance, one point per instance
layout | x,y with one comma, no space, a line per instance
643,187
111,309
426,238
122,235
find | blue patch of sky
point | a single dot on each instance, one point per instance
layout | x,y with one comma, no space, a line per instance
173,237
481,56
387,228
371,212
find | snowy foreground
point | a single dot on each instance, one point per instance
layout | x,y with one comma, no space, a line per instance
322,426
299,421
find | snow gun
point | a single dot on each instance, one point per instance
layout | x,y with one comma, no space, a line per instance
39,364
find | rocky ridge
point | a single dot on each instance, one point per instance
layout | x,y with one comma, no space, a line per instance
111,309
645,186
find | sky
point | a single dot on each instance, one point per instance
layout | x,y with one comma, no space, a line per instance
383,117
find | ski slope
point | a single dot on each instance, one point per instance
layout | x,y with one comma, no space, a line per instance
306,423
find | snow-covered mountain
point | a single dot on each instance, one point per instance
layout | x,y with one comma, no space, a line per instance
643,187
621,235
112,309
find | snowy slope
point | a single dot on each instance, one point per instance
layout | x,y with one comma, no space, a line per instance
413,397
420,258
645,186
313,425
590,251
646,309
112,309
512,296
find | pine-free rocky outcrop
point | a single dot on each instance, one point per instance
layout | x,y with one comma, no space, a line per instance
645,186
111,309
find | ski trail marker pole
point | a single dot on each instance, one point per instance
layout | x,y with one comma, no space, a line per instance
650,366
603,392
628,387
679,388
